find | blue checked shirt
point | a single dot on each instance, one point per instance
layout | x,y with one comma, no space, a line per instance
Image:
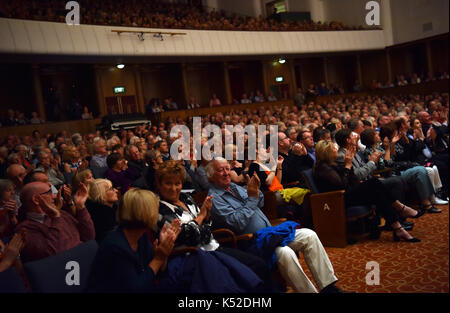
237,211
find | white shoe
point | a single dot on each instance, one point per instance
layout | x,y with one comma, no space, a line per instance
436,200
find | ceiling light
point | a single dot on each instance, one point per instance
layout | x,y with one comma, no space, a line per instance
120,66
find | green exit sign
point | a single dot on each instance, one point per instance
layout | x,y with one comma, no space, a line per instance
119,89
279,79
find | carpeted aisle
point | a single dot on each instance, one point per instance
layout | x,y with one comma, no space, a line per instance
404,267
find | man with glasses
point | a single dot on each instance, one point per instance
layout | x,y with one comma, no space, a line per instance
296,160
50,230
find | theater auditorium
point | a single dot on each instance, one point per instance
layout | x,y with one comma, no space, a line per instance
204,147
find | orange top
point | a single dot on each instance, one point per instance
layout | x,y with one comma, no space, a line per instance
276,185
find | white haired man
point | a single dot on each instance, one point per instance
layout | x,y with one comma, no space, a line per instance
238,209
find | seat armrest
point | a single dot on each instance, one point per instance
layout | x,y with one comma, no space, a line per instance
277,221
180,251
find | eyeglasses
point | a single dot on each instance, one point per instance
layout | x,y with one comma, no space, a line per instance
48,192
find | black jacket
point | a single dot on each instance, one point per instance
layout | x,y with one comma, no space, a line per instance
103,217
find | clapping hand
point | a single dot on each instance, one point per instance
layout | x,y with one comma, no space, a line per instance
164,245
280,161
80,196
205,210
349,155
12,250
299,149
50,207
253,186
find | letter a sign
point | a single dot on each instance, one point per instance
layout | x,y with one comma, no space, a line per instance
373,16
73,17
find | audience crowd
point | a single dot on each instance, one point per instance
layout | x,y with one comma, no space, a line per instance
59,190
159,14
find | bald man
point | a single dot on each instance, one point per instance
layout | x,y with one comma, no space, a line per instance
425,119
49,230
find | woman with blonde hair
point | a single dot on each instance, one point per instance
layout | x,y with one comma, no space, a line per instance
102,204
330,177
230,270
126,261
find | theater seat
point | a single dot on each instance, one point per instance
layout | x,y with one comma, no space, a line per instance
50,275
98,172
11,282
330,215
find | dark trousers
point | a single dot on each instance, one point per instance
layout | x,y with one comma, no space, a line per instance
396,186
441,161
373,192
256,264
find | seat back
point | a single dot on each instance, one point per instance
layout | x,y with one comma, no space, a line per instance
199,197
270,208
98,172
309,180
11,282
65,272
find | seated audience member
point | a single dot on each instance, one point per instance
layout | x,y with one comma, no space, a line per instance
239,209
415,175
245,99
99,158
119,173
86,114
195,221
306,139
126,261
163,148
8,208
270,178
50,230
55,177
193,103
84,176
214,101
437,140
135,160
321,133
101,205
22,150
271,97
71,162
35,119
153,159
296,160
118,149
9,253
238,167
330,177
364,169
357,126
16,173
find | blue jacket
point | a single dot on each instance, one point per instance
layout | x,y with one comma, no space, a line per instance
284,230
208,272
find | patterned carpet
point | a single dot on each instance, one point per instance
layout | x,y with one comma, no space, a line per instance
404,267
